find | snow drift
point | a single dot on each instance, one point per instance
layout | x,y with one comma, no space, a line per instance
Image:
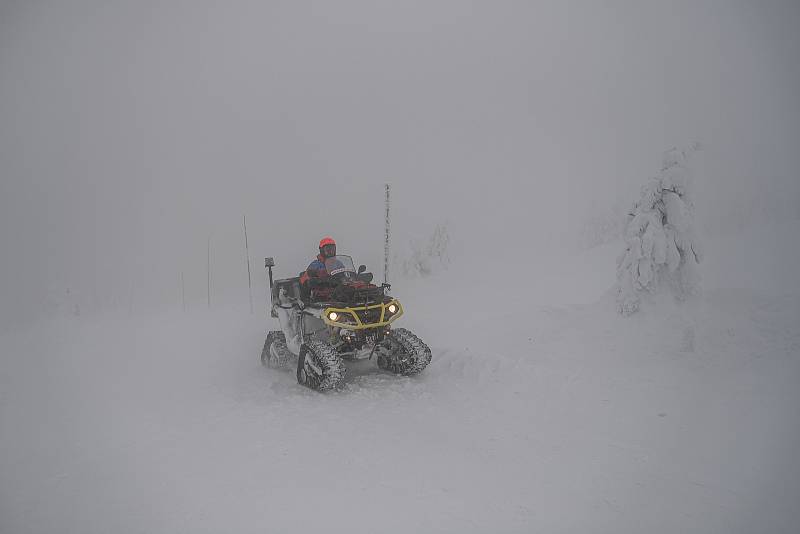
542,410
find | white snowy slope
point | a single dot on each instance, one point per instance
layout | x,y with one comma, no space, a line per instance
542,411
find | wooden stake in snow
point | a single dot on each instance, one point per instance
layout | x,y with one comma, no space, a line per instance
247,254
386,241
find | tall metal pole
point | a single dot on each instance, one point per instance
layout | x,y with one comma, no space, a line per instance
386,242
247,253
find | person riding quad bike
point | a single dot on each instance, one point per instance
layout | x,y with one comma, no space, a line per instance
325,272
333,313
316,269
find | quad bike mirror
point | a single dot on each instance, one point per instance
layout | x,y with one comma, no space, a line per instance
362,268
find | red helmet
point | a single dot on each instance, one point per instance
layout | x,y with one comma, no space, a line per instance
327,247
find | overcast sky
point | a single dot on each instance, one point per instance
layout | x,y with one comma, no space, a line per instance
130,132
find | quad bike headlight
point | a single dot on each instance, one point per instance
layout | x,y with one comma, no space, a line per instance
333,316
392,308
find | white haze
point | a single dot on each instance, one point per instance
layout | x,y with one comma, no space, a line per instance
131,132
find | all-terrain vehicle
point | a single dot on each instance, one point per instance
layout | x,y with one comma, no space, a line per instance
343,316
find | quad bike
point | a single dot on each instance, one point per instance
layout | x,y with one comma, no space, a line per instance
343,316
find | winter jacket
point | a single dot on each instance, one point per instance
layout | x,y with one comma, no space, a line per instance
316,269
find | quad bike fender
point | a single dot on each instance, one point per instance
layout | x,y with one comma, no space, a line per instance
288,320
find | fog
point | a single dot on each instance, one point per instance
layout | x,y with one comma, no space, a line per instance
135,137
131,133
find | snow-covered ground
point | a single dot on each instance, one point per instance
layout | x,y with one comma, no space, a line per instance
542,411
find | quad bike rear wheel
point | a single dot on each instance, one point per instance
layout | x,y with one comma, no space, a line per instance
275,353
407,354
319,366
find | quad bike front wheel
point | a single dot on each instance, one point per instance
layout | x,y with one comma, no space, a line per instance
405,353
275,353
319,366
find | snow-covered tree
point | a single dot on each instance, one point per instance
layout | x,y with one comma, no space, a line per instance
425,257
661,248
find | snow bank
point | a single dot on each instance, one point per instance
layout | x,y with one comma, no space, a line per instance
541,411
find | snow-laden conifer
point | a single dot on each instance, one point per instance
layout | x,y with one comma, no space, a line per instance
661,248
426,257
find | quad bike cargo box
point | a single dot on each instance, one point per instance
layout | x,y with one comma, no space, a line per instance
291,288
